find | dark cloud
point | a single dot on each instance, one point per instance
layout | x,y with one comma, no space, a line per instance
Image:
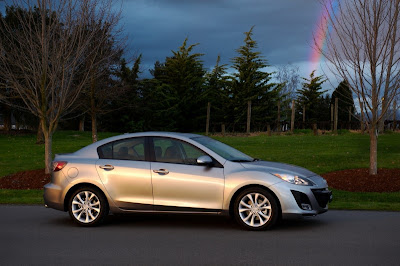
283,29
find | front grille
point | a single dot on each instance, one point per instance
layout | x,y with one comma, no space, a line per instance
323,196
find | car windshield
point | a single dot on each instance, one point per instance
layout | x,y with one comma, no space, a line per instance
224,150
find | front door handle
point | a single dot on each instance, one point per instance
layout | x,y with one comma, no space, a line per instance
107,167
161,171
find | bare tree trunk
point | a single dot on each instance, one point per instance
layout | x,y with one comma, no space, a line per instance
82,124
93,109
279,117
349,117
248,117
208,118
7,117
394,115
381,125
362,118
39,134
48,142
332,117
223,129
268,129
94,127
292,118
336,116
373,153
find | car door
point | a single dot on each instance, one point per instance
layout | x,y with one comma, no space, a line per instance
125,173
179,184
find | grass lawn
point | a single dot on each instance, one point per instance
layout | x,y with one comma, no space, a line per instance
320,154
20,153
13,196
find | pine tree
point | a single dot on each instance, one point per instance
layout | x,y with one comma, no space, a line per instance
174,91
345,100
250,84
216,91
310,97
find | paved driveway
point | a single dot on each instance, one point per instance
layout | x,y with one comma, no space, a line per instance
35,235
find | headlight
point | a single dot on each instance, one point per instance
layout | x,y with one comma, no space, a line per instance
294,179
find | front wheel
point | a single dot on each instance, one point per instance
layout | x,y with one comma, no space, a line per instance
256,209
88,206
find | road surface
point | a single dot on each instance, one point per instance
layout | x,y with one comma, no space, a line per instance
36,235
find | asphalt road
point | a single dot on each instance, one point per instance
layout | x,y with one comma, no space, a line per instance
36,235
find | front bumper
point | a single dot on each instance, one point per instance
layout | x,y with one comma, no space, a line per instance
298,200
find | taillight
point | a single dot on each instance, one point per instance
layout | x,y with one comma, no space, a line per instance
58,165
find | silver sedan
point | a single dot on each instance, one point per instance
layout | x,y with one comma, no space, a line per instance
180,173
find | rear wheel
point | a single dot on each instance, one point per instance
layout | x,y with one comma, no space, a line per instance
256,209
88,206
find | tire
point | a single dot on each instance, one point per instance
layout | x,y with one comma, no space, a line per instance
88,206
256,209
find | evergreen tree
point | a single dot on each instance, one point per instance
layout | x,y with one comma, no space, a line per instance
310,97
345,100
217,92
126,113
181,80
250,84
324,108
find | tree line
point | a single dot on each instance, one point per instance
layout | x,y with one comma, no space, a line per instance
177,95
180,90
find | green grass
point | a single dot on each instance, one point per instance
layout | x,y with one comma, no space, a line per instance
343,200
321,154
13,196
20,153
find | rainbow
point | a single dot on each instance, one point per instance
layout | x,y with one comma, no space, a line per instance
321,29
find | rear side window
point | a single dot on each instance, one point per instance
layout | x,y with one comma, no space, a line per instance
127,149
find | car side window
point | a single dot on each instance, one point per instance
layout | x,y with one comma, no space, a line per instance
175,151
126,149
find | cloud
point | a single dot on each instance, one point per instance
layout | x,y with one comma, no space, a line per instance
283,28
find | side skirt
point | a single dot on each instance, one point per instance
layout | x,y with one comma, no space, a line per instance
148,208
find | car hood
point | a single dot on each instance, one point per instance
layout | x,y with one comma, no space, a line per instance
283,168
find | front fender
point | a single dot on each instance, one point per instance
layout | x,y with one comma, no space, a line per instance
236,181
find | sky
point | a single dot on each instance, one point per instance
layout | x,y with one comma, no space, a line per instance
283,30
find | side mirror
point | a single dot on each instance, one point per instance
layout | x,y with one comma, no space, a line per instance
204,160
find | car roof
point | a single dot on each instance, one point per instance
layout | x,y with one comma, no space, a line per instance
91,150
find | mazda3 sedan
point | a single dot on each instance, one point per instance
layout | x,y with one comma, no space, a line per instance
180,173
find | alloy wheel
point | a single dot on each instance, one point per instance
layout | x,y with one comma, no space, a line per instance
86,207
255,209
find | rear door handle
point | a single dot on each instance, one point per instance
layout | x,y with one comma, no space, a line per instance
107,167
161,171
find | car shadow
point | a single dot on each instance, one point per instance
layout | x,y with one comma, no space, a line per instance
191,221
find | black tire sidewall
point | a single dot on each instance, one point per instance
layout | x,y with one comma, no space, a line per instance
274,209
103,206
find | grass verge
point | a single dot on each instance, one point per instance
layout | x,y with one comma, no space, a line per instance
15,196
344,200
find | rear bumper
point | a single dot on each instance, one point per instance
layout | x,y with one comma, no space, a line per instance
52,196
